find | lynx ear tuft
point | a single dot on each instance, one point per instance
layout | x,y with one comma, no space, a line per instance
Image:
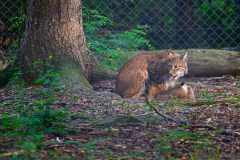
182,84
170,54
184,57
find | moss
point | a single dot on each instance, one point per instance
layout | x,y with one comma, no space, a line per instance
73,77
103,73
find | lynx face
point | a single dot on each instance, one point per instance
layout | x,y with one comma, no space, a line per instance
177,67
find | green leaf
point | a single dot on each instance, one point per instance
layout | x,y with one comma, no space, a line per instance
204,6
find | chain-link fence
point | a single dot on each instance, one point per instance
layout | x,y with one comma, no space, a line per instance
9,31
176,24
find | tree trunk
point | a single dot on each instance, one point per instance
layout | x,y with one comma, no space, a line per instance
54,29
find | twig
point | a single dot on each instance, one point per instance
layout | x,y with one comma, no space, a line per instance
19,35
2,55
236,134
203,102
164,116
232,89
54,145
202,126
147,101
215,78
200,84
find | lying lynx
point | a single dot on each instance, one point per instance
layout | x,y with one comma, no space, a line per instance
160,69
178,91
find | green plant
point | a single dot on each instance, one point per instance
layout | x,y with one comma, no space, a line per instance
35,120
238,82
112,49
17,21
43,116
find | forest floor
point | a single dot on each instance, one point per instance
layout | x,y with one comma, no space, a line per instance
35,122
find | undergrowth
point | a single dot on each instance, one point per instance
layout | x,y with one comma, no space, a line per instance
113,49
33,117
27,126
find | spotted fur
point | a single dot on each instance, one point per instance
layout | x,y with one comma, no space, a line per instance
159,69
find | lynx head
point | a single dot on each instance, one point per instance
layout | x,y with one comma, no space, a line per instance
177,67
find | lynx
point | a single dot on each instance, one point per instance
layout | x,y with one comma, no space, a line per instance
160,69
178,91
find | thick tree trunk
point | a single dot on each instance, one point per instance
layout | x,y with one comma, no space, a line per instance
54,29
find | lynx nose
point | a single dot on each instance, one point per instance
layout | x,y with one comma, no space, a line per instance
170,75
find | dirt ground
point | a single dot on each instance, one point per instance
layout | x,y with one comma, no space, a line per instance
213,131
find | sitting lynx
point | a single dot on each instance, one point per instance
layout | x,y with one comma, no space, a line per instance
160,69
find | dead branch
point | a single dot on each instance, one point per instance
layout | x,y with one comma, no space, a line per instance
232,89
236,134
202,126
3,55
216,78
54,145
164,116
203,102
200,84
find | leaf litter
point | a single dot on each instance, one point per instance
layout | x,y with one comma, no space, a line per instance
213,131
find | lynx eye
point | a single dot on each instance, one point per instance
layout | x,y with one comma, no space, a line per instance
169,67
176,67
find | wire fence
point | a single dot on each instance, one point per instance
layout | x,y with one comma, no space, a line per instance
9,32
175,24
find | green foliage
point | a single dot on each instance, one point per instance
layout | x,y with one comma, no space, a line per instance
17,21
112,49
214,21
217,14
177,134
216,11
29,124
39,117
239,79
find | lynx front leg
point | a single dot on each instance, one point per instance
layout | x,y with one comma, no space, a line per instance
190,93
156,89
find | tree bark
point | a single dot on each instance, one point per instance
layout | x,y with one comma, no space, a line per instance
54,29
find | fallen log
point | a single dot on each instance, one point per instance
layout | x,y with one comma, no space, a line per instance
212,62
